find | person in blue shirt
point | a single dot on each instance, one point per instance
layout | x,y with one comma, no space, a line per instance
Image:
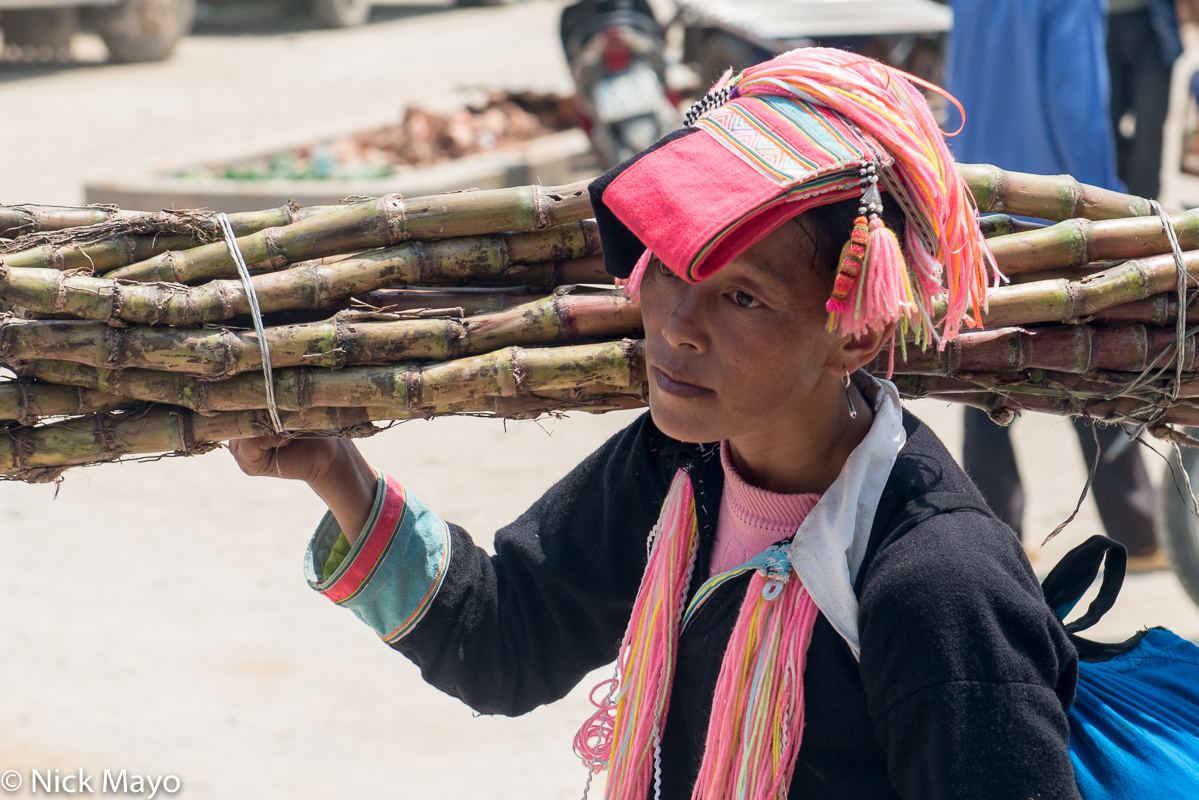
1033,78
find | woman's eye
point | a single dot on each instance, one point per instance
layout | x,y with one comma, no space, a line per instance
745,300
665,270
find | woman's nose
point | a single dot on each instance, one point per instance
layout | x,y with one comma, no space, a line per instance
685,326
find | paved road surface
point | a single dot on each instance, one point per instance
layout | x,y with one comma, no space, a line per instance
221,95
154,616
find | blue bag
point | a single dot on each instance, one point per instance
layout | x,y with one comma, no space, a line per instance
1134,725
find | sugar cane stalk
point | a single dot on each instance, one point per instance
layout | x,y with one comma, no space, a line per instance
510,372
1006,400
1062,300
1077,242
383,222
562,242
21,220
1161,309
96,257
28,221
104,250
27,402
42,453
1068,348
1051,197
1100,384
333,343
480,259
135,236
1004,406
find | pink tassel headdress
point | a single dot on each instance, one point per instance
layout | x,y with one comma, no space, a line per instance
810,127
883,103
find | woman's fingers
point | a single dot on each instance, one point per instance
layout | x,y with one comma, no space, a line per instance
260,455
283,457
334,468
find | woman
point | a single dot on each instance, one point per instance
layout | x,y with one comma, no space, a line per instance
824,608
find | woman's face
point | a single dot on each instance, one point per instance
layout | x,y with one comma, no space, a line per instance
745,352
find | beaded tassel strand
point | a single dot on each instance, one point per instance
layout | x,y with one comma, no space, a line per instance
872,288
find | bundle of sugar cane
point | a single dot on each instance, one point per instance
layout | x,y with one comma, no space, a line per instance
370,313
131,333
1089,324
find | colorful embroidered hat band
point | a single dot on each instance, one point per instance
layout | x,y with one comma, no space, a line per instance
811,127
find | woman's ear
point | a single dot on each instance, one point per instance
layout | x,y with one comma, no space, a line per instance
856,352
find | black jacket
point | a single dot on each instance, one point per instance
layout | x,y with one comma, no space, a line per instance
965,673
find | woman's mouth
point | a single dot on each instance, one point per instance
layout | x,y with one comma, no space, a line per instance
678,388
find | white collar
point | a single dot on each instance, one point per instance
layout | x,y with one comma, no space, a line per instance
829,546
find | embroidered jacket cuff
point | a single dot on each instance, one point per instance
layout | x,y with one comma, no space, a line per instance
393,571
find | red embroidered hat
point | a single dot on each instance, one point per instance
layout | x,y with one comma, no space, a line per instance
698,201
811,127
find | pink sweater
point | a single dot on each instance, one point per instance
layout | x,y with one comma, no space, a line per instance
752,519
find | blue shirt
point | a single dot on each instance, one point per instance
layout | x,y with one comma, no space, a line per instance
1032,76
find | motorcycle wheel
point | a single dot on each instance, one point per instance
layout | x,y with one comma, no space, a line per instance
1177,525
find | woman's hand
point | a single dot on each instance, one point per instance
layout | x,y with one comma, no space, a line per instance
334,468
280,457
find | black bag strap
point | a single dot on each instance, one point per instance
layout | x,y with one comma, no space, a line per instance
1069,580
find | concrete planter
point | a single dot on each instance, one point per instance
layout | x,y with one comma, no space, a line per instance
557,158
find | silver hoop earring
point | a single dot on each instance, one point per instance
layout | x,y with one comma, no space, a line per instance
853,412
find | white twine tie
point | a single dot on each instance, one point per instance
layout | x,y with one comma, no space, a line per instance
1180,322
256,313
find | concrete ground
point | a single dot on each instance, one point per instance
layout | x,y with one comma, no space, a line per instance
154,616
241,88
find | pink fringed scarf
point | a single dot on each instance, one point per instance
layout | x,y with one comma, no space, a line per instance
756,725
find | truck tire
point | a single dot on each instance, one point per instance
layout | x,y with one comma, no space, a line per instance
143,30
44,33
1177,525
341,13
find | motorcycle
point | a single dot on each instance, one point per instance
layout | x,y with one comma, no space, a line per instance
615,52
